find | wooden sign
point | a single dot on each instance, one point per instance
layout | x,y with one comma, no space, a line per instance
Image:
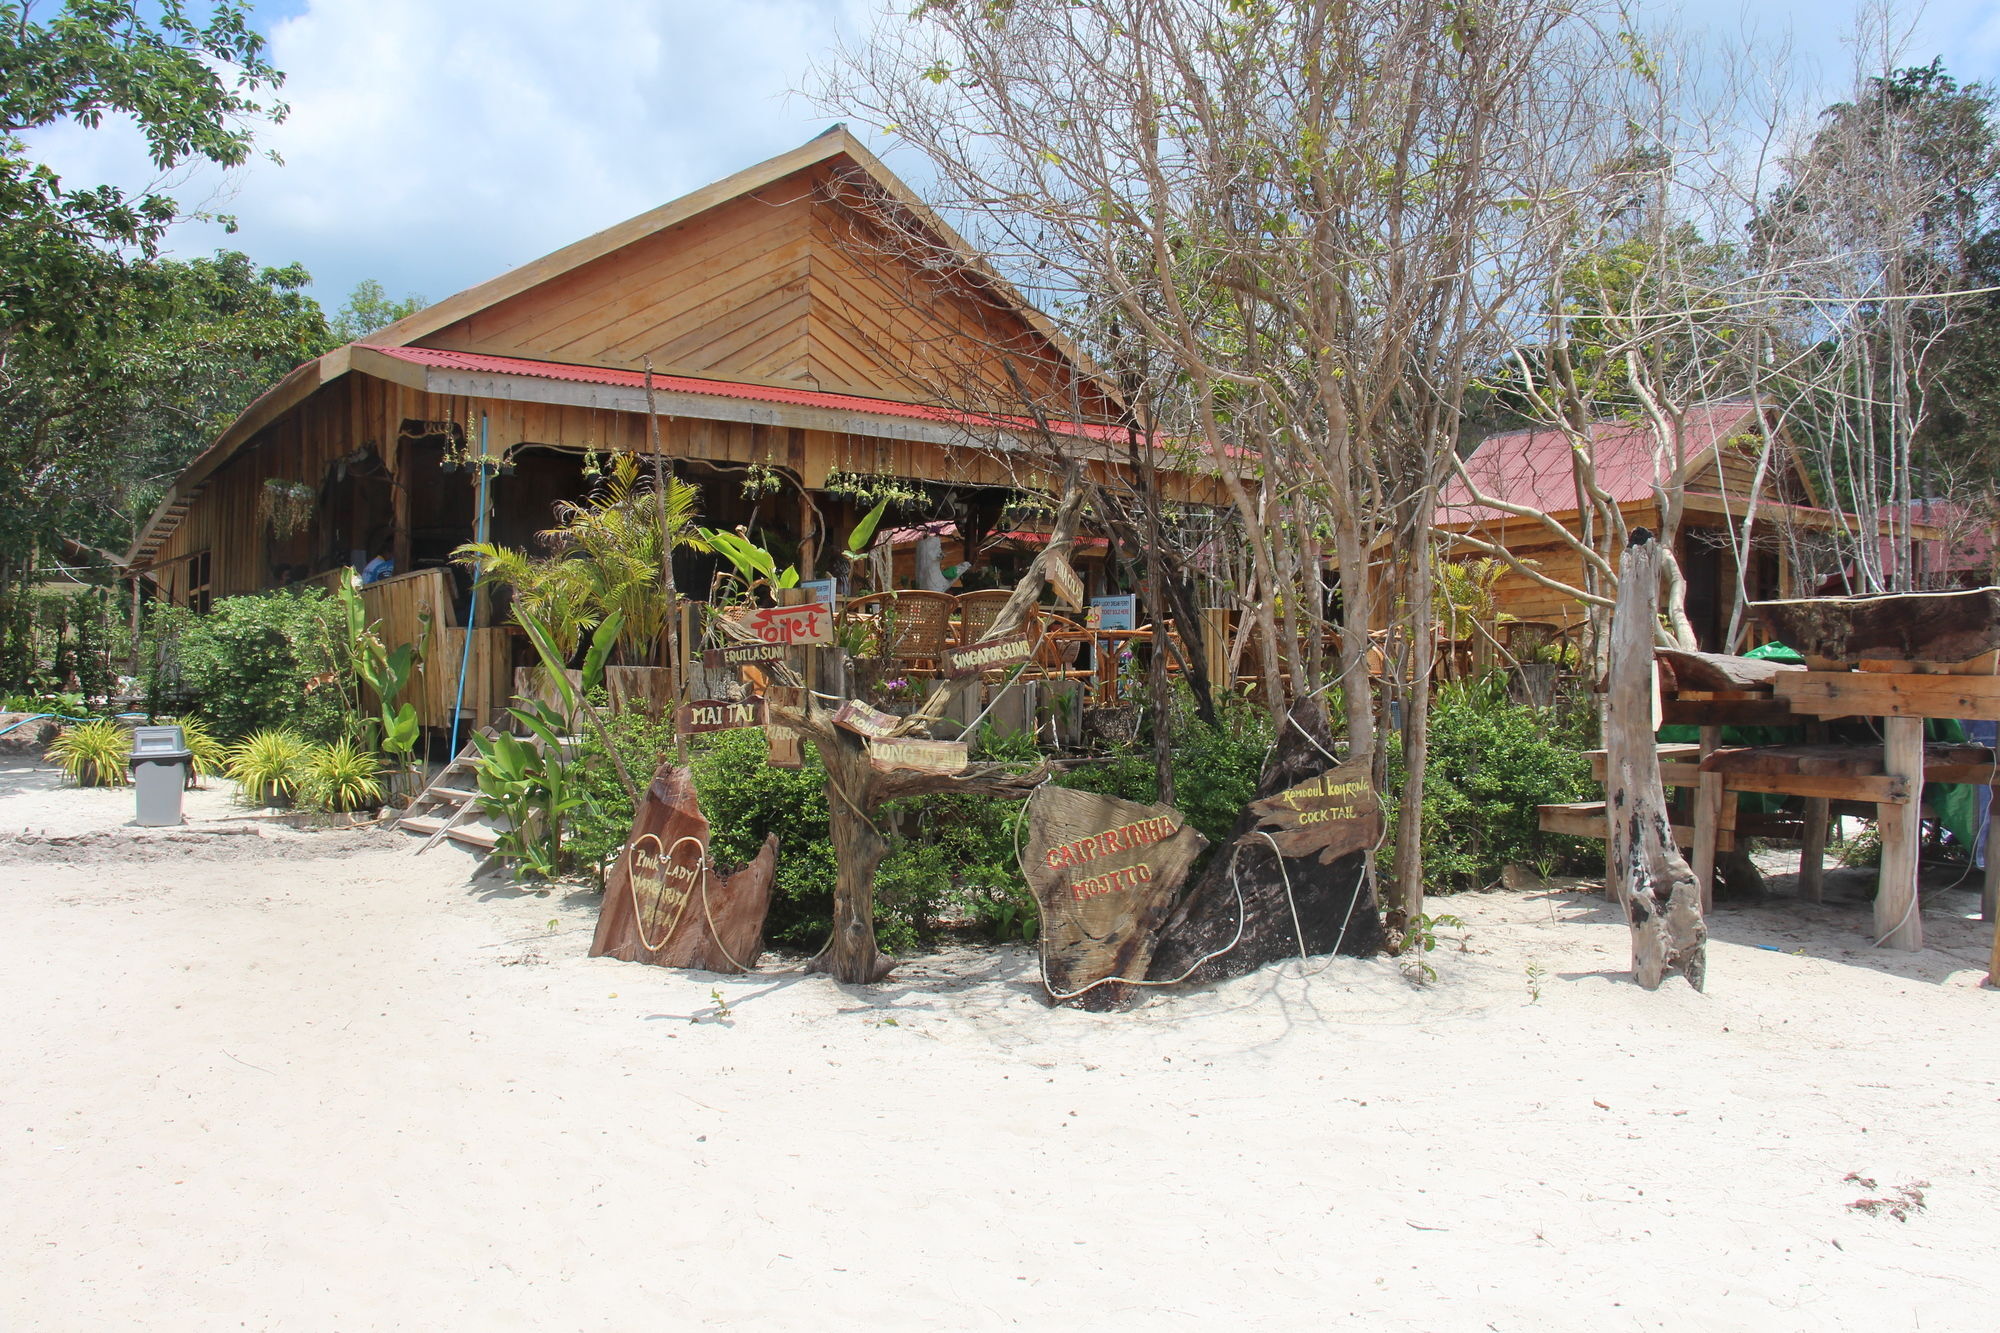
1332,814
920,756
989,655
1105,872
809,625
719,715
665,904
862,720
784,747
743,654
1063,580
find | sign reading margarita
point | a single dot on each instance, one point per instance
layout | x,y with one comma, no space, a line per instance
719,715
862,720
1105,872
1333,814
788,626
989,655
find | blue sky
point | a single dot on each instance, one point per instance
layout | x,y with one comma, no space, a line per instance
435,143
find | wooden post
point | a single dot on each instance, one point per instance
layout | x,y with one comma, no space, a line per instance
1660,894
1899,920
1989,896
1708,804
1812,855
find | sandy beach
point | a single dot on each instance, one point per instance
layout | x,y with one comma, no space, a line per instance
268,1078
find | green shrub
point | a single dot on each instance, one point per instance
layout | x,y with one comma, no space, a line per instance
1492,761
211,756
268,765
250,663
340,777
94,754
1215,767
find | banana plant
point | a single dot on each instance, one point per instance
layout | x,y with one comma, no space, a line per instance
532,783
755,566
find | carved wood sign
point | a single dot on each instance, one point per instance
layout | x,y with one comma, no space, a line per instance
787,626
719,715
1332,814
921,756
989,655
1063,579
743,654
862,720
1105,872
665,904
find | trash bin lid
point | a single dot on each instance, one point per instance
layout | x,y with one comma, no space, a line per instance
148,742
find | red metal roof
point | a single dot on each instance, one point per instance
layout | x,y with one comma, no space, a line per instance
1532,467
754,393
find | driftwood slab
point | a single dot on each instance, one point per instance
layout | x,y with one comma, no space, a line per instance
665,904
1104,871
1331,814
1717,671
1893,627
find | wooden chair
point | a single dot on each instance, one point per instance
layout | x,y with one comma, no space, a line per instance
1061,644
915,625
977,612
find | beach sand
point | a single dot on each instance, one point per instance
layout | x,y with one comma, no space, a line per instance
273,1079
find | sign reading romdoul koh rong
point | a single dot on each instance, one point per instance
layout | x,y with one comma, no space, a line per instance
1333,815
1105,872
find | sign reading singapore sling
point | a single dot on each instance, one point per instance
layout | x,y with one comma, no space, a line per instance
1333,814
989,655
1104,872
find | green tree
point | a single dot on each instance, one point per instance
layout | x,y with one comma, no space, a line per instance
369,308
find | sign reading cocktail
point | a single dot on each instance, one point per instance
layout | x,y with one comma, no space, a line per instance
989,655
1333,814
719,715
1104,871
805,626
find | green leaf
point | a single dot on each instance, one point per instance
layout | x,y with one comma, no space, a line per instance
864,531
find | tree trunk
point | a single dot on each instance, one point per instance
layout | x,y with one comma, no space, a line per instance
850,954
1658,891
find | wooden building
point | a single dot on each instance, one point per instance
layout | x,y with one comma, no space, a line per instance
807,317
1720,443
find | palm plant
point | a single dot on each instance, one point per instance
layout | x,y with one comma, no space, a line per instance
340,777
607,556
94,754
211,756
269,764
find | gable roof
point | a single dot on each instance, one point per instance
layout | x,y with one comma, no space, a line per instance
1531,468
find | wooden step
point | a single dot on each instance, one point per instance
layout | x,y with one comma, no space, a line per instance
1585,819
471,834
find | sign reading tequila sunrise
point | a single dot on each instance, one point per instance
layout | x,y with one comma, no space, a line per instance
1105,872
743,654
1333,814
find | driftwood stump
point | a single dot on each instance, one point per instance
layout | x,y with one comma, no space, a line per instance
1660,895
1939,627
664,904
1337,910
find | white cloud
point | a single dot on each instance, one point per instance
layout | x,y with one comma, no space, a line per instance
435,143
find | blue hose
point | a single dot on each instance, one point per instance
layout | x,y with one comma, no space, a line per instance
472,615
60,717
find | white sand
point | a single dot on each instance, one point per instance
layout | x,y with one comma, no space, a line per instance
282,1080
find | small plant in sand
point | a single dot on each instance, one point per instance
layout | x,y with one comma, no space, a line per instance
341,777
1535,974
721,1005
268,765
93,754
1414,950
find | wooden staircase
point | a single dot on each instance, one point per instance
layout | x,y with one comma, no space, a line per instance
449,807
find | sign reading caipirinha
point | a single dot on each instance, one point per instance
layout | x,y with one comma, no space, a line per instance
1104,871
1332,814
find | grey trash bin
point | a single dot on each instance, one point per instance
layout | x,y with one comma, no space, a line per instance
160,765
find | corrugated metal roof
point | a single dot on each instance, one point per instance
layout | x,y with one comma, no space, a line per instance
756,393
1532,467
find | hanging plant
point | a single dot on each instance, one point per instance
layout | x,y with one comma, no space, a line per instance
286,506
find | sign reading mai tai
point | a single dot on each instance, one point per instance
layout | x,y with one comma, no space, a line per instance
1333,814
719,715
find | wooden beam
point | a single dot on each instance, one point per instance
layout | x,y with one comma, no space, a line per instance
1989,894
1922,627
1708,803
1879,694
1728,712
1812,854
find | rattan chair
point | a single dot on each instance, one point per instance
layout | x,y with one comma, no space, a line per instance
915,626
